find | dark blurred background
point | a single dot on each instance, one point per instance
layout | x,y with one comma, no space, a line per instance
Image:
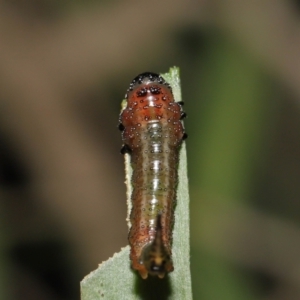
64,69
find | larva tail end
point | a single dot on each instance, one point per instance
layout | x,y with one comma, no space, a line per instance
155,257
143,273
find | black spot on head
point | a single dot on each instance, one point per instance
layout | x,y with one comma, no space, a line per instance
155,90
146,77
142,92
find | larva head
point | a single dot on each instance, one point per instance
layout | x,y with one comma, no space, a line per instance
149,100
148,89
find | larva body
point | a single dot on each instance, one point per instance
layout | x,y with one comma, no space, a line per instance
152,134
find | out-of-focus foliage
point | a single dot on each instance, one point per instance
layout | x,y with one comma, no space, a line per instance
231,108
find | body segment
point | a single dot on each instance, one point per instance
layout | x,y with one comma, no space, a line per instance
152,134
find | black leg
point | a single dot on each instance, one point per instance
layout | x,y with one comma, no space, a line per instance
121,127
125,149
183,115
185,136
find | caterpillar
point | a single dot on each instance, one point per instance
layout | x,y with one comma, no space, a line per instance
152,133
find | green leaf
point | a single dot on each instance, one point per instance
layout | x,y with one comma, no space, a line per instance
114,278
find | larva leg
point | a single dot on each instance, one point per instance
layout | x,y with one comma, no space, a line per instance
125,149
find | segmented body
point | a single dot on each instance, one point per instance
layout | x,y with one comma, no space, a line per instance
152,134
